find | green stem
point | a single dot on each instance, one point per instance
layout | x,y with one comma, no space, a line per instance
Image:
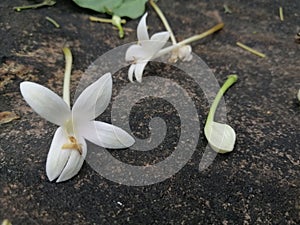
104,20
230,81
191,39
116,20
164,21
44,3
52,21
67,76
281,13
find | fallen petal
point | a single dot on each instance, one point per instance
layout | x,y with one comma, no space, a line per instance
6,117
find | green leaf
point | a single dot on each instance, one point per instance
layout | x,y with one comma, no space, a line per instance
103,6
130,8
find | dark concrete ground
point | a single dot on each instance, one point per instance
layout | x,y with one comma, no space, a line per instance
258,183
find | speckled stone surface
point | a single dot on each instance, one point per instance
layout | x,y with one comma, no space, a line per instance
258,183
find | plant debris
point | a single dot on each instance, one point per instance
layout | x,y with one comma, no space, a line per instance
38,5
226,9
52,21
281,14
6,222
251,50
6,117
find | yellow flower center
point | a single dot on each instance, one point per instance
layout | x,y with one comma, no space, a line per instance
73,143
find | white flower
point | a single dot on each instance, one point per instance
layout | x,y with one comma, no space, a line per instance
68,148
145,50
298,96
221,137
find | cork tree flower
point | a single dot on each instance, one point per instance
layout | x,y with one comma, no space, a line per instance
141,53
149,49
68,148
221,137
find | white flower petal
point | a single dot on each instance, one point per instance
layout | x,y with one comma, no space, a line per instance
142,32
107,135
57,157
298,95
135,52
221,137
130,72
139,69
160,36
74,163
93,100
45,102
156,42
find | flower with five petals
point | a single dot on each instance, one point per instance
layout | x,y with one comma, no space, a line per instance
68,148
145,50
